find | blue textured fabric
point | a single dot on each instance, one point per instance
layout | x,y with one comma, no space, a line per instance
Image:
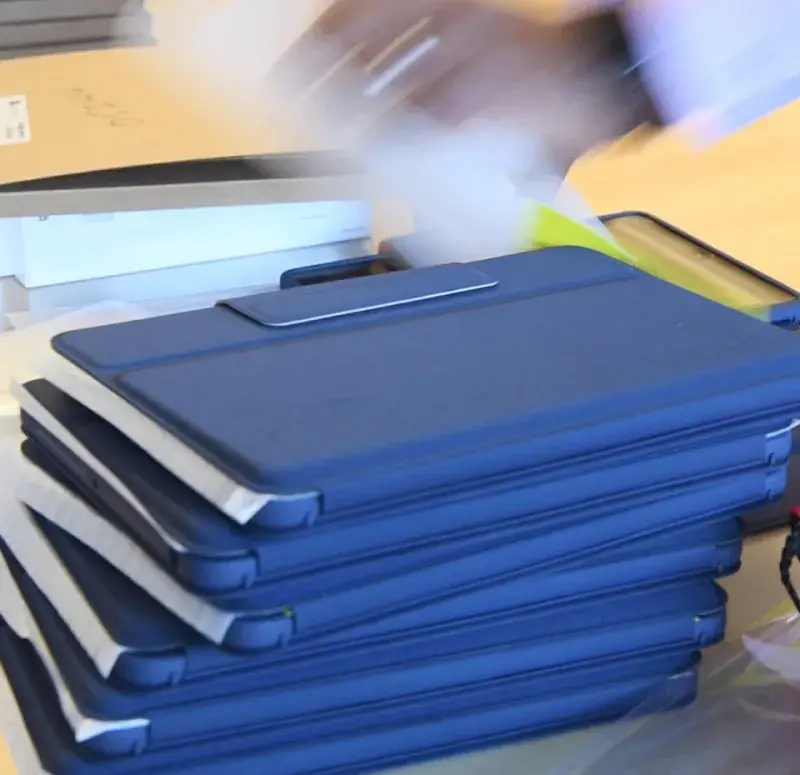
490,713
566,338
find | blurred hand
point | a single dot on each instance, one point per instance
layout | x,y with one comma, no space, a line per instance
569,85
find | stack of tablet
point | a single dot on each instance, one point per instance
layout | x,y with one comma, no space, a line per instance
347,526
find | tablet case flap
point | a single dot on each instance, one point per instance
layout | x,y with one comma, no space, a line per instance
564,338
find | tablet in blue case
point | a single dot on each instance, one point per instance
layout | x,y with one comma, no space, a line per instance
688,613
209,553
319,403
313,605
486,714
158,650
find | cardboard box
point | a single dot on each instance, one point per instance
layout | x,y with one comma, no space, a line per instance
100,110
50,250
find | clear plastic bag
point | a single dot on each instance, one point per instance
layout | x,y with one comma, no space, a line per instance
746,719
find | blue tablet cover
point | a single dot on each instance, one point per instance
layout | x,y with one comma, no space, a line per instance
161,651
314,604
690,613
376,388
216,555
445,723
776,514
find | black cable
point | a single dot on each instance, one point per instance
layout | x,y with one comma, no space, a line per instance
791,551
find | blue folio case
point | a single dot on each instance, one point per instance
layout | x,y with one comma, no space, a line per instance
157,650
211,554
311,605
465,516
340,402
687,614
487,713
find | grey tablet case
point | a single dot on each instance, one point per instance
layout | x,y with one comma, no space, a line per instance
37,27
